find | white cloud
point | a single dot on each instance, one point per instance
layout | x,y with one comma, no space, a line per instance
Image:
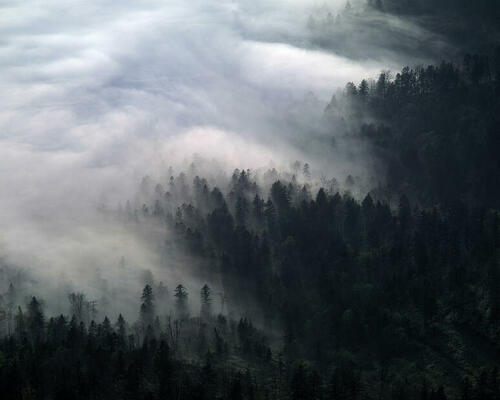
93,91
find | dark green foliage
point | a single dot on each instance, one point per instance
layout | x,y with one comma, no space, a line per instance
70,361
467,24
147,311
335,297
181,298
436,130
206,302
369,300
488,10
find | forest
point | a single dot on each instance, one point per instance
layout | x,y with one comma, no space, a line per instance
439,30
294,285
435,127
378,297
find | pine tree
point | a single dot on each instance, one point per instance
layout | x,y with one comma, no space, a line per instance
206,302
10,307
147,311
35,320
121,328
242,209
181,296
20,324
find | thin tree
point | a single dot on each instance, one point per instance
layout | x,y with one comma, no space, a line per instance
147,311
206,302
35,320
181,296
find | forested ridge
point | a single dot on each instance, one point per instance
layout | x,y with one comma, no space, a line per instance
435,127
250,200
424,29
487,10
372,302
391,295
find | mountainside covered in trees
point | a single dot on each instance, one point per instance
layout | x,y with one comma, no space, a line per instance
422,29
470,25
369,270
313,291
350,298
483,10
435,127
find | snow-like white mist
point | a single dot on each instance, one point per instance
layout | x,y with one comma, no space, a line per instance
97,94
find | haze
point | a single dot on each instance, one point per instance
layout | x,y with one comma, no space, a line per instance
97,94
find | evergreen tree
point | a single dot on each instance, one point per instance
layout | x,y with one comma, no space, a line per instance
181,296
147,311
35,320
206,302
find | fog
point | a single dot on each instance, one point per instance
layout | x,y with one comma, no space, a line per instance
97,94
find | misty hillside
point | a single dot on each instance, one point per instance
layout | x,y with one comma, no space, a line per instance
250,200
473,26
436,128
422,30
407,298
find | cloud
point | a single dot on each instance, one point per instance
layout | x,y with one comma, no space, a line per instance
96,93
91,81
281,66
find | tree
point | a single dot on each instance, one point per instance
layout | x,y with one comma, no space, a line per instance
79,307
363,88
121,328
147,311
404,212
300,389
382,83
3,313
306,171
351,91
181,296
242,210
236,391
35,320
280,197
105,328
10,306
20,324
206,302
163,364
258,210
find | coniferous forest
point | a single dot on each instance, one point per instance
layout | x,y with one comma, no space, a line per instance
291,282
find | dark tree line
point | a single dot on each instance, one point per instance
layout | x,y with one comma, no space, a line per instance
403,299
436,129
488,10
164,357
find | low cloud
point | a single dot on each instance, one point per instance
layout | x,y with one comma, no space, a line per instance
96,94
